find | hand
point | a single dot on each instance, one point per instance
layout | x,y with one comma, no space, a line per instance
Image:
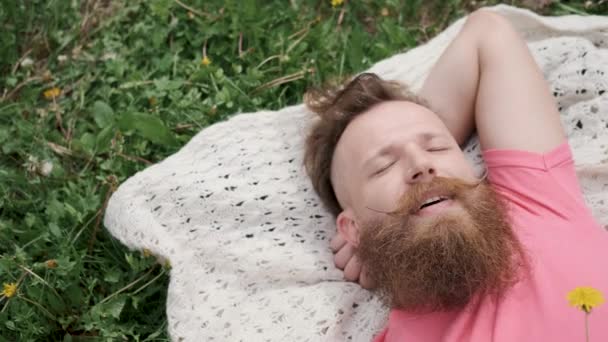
345,259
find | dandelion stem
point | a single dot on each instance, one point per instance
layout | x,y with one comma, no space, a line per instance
128,286
587,326
296,42
199,13
267,60
150,282
44,282
18,87
342,11
134,158
93,237
240,44
38,305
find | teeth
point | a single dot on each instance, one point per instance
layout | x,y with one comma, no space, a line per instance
433,199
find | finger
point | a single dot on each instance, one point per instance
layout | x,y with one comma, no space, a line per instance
352,269
344,255
365,280
337,242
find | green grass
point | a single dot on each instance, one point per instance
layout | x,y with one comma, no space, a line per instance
133,90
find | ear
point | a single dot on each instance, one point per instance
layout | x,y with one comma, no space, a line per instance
348,227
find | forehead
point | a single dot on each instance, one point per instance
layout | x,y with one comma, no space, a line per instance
385,123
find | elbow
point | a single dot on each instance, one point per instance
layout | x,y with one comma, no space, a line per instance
490,28
488,22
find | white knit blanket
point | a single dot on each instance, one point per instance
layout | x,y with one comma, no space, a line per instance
246,235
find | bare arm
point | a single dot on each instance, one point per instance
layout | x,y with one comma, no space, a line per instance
487,78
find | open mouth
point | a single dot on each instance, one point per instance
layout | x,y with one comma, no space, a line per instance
432,201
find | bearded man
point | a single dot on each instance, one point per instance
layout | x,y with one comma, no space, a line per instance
458,258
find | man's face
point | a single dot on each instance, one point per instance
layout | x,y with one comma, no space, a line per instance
386,150
428,233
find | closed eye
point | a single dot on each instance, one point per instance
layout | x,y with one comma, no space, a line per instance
384,168
437,149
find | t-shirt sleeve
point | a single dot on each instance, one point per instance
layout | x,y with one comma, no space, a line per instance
381,337
541,184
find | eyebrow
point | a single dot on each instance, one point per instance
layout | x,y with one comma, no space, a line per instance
384,150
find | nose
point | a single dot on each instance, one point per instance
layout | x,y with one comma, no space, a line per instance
422,169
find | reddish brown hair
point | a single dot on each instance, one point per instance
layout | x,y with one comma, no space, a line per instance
336,108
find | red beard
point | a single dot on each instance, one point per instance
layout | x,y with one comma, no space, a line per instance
441,262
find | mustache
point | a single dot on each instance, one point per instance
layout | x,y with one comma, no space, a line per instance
411,201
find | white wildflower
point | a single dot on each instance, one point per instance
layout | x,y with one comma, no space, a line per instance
27,62
31,165
45,168
109,56
42,112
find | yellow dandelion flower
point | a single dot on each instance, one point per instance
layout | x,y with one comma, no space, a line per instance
9,290
585,298
52,93
51,263
336,3
205,61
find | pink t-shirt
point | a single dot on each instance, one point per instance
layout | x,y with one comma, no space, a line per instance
567,249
